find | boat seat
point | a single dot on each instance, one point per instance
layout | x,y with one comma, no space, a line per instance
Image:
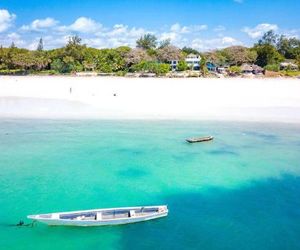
55,216
132,213
81,217
99,216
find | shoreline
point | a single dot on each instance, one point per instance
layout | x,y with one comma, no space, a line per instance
122,98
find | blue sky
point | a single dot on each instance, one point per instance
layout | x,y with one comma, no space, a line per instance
202,24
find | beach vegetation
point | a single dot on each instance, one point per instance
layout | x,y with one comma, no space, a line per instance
57,65
203,67
267,54
12,72
40,46
182,65
272,67
110,60
12,45
298,61
218,57
188,50
235,70
269,38
121,73
238,55
136,56
151,67
169,53
150,55
164,43
290,73
147,41
123,50
289,47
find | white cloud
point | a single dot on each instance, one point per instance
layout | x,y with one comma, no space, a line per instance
85,25
215,43
95,42
177,28
219,28
50,41
55,41
174,37
259,30
40,24
6,19
94,34
7,39
14,36
118,35
169,35
121,30
82,25
180,35
294,33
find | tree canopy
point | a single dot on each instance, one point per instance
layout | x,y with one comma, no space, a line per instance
147,41
237,55
189,50
169,53
149,55
40,46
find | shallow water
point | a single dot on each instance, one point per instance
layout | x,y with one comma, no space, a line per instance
241,191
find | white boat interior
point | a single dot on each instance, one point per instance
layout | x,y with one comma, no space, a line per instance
103,214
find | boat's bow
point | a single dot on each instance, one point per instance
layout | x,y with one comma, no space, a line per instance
32,217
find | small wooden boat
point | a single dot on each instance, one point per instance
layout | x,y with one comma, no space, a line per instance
102,217
200,139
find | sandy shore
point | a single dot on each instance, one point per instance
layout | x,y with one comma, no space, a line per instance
155,98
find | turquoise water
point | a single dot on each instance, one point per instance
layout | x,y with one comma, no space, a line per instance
241,191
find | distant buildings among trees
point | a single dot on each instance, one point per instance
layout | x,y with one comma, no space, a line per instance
271,52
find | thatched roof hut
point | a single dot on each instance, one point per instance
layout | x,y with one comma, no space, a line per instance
257,69
246,68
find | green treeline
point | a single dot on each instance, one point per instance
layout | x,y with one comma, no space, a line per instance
148,56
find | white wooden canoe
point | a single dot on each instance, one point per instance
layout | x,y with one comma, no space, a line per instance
102,217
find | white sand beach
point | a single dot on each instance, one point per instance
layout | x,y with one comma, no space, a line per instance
150,98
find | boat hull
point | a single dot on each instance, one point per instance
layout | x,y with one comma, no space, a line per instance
97,223
201,139
55,220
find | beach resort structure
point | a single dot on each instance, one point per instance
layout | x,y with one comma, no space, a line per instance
251,69
174,64
193,61
211,67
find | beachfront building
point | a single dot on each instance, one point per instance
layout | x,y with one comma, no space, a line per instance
193,61
222,70
173,64
211,67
